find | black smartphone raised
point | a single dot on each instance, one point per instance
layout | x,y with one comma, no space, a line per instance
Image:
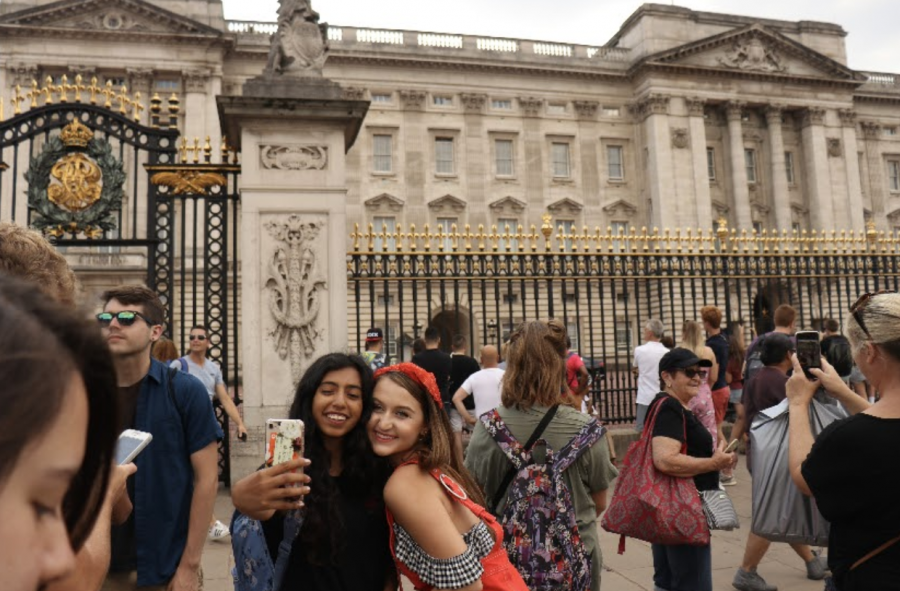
809,351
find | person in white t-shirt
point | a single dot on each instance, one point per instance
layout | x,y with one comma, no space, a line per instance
483,385
646,368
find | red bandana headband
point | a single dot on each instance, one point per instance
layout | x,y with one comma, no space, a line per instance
420,376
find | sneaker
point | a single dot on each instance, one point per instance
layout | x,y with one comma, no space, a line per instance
218,532
750,581
727,480
815,569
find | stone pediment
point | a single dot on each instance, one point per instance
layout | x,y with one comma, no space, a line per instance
757,50
620,209
385,203
447,204
565,207
108,16
508,206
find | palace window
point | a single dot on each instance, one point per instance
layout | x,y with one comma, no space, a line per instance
893,175
795,227
559,157
624,338
615,163
502,104
382,150
574,334
503,153
612,112
789,167
711,164
388,225
513,224
381,97
567,228
443,155
889,130
619,229
750,160
443,101
446,224
167,85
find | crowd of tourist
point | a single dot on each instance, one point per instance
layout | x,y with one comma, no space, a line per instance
385,486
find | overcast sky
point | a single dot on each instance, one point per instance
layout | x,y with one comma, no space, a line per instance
873,43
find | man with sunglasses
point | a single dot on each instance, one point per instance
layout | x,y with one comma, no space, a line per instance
159,547
210,374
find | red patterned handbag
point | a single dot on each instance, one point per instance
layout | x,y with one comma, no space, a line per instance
652,506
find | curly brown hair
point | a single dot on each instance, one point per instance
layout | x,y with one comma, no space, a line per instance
25,253
535,365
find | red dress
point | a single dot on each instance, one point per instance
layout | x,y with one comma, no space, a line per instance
499,573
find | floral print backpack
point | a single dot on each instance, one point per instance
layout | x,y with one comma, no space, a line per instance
540,532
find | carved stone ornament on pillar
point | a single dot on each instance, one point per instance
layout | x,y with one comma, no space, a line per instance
413,100
293,157
23,74
753,55
531,106
813,116
299,47
696,106
848,117
652,104
295,288
586,109
680,137
195,80
473,103
834,148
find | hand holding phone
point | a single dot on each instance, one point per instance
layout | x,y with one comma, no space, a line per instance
131,443
809,352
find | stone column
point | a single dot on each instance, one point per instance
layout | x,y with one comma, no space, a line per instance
588,132
741,194
695,109
140,80
195,93
781,198
476,157
293,237
857,218
818,175
872,131
660,177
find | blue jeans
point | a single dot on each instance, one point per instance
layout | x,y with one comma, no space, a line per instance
682,568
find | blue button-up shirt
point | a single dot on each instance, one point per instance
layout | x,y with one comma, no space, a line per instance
164,483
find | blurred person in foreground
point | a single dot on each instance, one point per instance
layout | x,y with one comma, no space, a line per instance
57,439
853,454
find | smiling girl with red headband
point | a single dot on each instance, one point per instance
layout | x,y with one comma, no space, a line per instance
441,535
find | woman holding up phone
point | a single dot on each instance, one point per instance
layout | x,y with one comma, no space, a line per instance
57,435
441,535
343,542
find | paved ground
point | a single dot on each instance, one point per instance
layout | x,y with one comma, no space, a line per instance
632,571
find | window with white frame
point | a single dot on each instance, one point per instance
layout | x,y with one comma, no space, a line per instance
612,112
624,337
750,161
893,170
442,100
789,167
758,228
615,163
502,104
567,228
619,229
167,85
504,157
891,130
386,225
574,334
711,164
383,153
446,224
443,155
393,343
559,158
513,225
382,97
795,227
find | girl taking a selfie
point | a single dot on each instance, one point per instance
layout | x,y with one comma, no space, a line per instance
441,535
343,540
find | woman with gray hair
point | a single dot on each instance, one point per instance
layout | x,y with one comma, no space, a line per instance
850,455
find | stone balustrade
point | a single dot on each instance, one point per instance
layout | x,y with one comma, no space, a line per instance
349,38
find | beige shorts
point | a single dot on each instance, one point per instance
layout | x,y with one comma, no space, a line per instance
456,420
127,581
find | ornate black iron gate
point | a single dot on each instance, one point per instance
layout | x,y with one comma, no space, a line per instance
122,199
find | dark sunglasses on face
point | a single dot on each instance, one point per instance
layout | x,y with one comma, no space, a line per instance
197,337
692,372
125,318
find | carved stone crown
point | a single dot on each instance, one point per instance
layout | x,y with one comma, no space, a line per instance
76,135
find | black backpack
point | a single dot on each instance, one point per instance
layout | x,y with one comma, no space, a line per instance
839,355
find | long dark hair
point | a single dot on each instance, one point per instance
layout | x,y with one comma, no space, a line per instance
362,470
37,333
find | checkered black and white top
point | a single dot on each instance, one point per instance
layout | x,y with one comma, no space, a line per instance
446,573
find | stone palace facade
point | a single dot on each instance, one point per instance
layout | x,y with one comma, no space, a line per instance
682,118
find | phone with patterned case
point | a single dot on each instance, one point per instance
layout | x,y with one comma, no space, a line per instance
284,441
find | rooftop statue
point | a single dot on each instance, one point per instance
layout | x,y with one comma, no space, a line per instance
300,46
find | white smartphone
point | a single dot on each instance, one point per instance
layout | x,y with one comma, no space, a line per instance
284,441
131,443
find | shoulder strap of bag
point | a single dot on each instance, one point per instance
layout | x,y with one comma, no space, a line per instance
184,365
875,553
588,436
292,523
170,387
510,474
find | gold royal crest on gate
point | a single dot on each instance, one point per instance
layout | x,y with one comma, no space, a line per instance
75,184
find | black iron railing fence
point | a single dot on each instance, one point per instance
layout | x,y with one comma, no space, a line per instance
604,286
